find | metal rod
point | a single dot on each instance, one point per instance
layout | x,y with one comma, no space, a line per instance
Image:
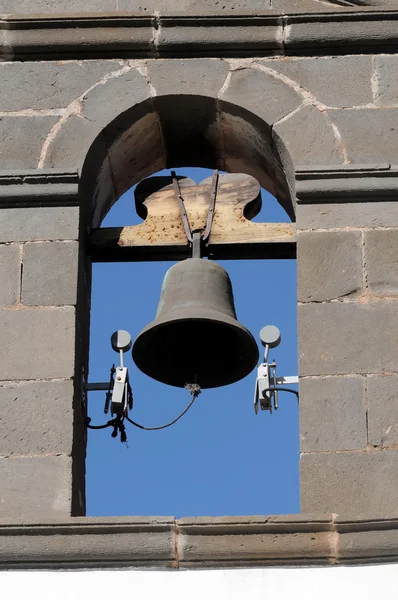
210,214
121,358
180,200
197,244
97,387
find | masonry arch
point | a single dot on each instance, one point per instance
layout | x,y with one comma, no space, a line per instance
182,131
172,131
131,124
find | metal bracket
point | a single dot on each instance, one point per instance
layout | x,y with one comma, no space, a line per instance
267,383
198,237
119,397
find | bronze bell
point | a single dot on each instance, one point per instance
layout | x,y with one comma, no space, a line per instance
195,337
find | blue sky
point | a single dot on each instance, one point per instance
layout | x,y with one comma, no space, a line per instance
220,458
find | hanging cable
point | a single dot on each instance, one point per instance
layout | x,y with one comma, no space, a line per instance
194,390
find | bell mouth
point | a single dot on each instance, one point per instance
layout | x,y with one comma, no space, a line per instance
211,349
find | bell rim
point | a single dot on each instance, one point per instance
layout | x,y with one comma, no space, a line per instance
250,344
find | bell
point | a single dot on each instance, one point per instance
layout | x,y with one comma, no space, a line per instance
195,337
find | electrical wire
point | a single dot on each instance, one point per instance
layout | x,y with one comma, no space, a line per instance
194,396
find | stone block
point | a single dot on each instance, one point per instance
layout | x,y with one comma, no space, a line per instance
381,264
328,216
292,6
192,75
218,39
387,80
129,88
369,543
10,273
364,483
347,337
39,223
105,542
261,93
70,146
55,6
326,78
50,271
383,410
51,84
36,418
310,138
368,134
220,545
332,414
329,265
35,487
23,137
37,343
329,37
137,153
198,7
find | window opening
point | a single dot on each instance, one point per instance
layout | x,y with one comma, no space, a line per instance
220,459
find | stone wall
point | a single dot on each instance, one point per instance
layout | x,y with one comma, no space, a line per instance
298,101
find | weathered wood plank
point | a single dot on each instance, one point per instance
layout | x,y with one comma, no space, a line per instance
161,236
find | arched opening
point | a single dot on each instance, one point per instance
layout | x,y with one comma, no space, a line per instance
182,131
221,459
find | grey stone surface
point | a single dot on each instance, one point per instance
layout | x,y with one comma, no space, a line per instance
183,40
381,261
329,265
35,487
50,272
99,109
72,142
304,34
114,542
129,88
326,78
369,135
387,80
194,6
37,343
363,545
10,273
332,414
39,223
256,548
357,483
347,337
23,138
365,214
383,410
310,138
51,84
262,94
55,6
193,76
45,417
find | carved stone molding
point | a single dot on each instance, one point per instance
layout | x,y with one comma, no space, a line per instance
216,542
123,35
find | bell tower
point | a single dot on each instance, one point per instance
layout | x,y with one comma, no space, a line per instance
296,96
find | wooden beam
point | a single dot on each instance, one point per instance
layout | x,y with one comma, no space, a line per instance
161,236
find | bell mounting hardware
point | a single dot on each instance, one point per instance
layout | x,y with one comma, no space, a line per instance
267,383
195,340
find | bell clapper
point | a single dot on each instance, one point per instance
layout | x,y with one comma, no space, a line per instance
267,383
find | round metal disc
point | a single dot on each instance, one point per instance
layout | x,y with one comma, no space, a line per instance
270,336
121,340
